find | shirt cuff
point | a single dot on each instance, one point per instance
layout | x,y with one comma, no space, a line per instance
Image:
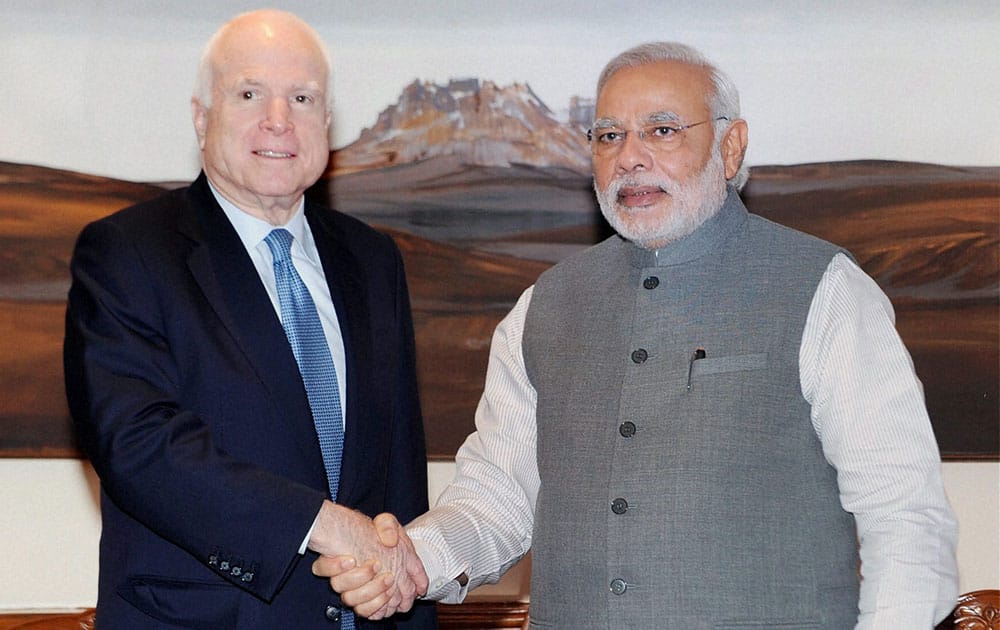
305,543
449,587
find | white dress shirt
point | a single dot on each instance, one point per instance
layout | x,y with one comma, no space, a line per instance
867,409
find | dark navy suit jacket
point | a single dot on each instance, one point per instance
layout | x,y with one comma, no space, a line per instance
187,399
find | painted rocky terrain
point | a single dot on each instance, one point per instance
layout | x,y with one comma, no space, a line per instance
473,237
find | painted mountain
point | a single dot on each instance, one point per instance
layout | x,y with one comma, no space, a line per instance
483,188
483,124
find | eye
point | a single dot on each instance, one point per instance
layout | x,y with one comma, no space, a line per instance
610,136
663,132
303,99
248,95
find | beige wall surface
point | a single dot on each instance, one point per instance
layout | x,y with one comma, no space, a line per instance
50,527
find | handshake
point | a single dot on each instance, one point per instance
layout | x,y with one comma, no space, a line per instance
370,562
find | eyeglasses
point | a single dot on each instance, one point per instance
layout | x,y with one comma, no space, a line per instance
654,136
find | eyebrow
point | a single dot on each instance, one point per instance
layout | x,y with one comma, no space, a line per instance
663,117
308,86
651,119
606,123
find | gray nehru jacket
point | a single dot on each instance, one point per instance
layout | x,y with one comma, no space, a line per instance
669,506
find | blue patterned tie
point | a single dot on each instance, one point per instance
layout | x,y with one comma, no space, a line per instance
305,334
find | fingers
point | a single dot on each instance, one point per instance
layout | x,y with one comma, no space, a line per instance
403,595
372,598
325,566
388,529
370,593
415,571
411,563
411,579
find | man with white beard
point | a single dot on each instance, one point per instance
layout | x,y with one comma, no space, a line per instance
705,421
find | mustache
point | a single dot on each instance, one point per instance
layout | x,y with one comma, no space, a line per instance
615,186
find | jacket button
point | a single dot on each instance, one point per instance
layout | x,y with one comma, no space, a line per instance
626,429
618,586
651,282
247,576
639,356
619,506
333,613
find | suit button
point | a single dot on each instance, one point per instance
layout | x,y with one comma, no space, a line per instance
618,586
651,282
247,576
619,506
236,571
639,356
626,429
333,613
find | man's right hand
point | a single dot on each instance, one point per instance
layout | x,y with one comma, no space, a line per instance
364,587
383,573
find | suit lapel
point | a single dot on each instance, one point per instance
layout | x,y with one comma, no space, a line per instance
345,278
229,281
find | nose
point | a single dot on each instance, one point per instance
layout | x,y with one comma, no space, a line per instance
277,117
634,154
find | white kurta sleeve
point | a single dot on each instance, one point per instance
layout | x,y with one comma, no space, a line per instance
482,522
869,413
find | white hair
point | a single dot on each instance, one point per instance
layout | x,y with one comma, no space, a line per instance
723,103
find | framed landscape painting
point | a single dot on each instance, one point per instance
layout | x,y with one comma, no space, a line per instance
485,183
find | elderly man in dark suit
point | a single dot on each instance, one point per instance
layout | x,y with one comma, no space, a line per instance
239,365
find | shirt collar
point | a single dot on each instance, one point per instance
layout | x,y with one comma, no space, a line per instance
252,231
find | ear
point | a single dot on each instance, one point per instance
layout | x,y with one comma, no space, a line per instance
734,146
199,116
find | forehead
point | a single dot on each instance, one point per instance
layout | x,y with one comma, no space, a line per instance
261,51
666,86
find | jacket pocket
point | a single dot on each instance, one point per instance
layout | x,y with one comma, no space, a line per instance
722,365
202,605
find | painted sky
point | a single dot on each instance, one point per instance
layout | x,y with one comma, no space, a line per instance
103,87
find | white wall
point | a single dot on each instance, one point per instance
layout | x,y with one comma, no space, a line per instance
90,87
50,526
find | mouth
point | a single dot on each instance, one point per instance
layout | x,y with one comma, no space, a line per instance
638,196
277,155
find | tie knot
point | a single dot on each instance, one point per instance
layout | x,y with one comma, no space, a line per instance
279,241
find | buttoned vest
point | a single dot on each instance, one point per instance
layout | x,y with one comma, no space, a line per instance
682,482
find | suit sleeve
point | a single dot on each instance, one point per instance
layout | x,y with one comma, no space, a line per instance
407,488
155,456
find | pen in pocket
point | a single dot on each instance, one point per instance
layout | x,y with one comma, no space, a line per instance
697,354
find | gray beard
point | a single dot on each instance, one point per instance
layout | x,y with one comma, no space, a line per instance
692,204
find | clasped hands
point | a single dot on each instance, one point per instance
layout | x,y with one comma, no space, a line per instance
370,562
